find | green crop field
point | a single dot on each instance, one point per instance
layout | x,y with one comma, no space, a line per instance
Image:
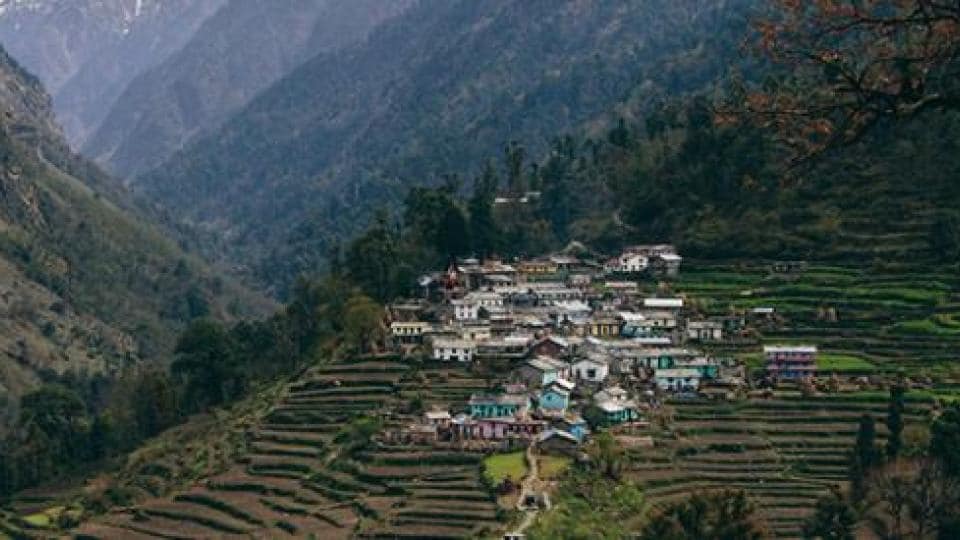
843,362
499,467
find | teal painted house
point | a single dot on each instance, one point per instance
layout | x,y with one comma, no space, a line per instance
618,413
505,405
555,398
574,425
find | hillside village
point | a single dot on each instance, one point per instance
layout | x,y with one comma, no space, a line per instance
576,345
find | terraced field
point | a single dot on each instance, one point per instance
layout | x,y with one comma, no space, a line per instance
297,479
897,317
785,452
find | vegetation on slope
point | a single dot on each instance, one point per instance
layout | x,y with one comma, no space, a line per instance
314,155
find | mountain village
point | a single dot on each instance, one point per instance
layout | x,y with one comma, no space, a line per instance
576,346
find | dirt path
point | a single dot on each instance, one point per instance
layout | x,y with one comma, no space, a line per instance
530,486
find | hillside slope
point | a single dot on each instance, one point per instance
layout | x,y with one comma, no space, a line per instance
435,90
87,52
85,286
237,53
290,465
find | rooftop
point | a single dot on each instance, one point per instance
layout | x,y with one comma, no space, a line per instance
663,302
807,349
678,373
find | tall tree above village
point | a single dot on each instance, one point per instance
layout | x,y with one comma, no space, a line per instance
852,64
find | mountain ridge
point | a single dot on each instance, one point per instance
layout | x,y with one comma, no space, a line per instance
442,85
239,51
86,284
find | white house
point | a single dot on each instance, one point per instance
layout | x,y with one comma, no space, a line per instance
589,369
705,330
650,322
485,299
460,350
677,380
628,263
465,310
476,332
663,303
613,394
669,263
409,332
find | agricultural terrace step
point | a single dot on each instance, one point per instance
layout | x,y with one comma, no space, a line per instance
751,468
342,406
247,503
363,367
447,513
312,415
292,463
318,440
345,482
813,430
789,417
449,494
280,487
270,472
157,526
281,415
433,504
744,479
99,531
427,471
418,532
328,429
344,391
278,449
345,380
353,400
471,526
791,406
203,516
451,485
742,458
326,380
216,501
420,458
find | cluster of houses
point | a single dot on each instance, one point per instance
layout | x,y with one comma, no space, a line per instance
578,340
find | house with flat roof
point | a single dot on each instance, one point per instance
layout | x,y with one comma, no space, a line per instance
498,406
458,350
677,379
790,361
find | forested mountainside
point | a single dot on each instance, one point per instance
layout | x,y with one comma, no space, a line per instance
86,288
240,51
438,89
86,52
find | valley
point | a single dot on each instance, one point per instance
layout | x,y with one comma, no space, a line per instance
444,269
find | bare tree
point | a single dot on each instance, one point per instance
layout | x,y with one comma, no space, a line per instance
849,64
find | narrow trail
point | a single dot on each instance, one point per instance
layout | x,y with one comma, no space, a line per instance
530,486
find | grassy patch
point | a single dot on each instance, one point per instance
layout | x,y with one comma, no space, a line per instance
38,521
499,467
552,467
843,362
926,326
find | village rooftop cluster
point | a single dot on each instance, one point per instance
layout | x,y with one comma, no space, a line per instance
577,341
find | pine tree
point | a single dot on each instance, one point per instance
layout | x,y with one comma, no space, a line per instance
834,519
895,420
864,454
484,232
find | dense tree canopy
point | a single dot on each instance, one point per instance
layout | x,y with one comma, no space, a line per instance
851,64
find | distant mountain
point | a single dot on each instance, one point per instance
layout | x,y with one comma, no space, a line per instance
86,52
438,89
238,52
85,285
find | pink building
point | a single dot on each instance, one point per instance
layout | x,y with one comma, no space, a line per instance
791,361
